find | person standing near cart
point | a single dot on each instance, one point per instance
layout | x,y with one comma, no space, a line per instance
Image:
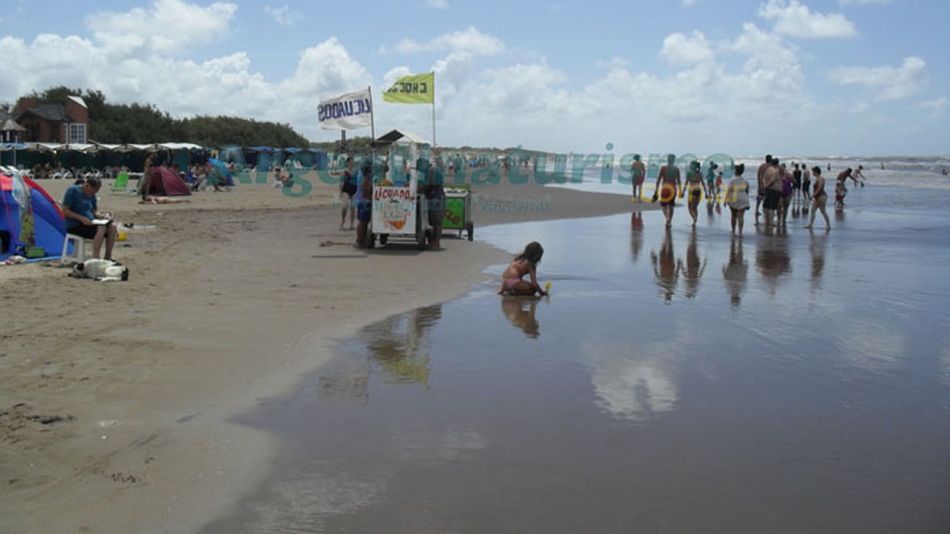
364,202
435,198
347,192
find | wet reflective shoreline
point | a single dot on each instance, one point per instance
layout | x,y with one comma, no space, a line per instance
675,381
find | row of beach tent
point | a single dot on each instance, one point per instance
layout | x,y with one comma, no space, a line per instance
99,154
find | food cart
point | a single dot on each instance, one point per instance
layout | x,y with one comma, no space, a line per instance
458,211
400,210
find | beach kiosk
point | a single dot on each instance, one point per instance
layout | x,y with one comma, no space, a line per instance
399,207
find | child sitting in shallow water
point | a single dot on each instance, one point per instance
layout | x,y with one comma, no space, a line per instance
512,280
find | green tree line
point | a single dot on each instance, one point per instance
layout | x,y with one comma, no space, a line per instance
138,123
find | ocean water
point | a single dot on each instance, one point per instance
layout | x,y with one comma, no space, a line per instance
674,381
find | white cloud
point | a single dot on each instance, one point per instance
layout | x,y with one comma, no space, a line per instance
688,3
681,49
794,19
889,83
128,67
282,15
469,40
937,106
167,27
437,4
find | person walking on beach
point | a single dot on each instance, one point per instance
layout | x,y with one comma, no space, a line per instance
737,198
788,191
797,184
638,174
806,182
526,263
760,185
711,195
773,184
347,192
694,189
667,187
819,199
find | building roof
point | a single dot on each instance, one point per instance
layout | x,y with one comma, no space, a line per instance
50,112
400,136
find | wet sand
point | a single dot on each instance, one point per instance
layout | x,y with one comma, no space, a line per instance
676,381
115,399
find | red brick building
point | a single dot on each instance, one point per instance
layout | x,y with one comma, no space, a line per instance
53,122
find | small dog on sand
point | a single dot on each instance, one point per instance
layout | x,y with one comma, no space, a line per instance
101,271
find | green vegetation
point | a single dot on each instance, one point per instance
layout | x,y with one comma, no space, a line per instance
136,123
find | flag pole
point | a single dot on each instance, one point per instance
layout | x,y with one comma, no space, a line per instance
372,115
433,110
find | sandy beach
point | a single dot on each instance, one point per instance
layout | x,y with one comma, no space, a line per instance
115,398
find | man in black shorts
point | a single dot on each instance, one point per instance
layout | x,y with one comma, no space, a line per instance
773,190
80,208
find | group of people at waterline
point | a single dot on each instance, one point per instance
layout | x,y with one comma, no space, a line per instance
778,187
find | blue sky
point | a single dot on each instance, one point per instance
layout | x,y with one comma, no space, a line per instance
857,77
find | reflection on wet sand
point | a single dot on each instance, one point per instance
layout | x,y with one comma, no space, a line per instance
400,344
817,249
520,311
695,267
636,234
666,268
735,272
772,257
633,382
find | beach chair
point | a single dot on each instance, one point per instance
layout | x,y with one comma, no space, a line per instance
74,249
121,184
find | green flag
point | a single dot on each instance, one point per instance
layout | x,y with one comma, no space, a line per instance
412,89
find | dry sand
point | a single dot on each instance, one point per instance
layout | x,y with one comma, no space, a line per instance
115,398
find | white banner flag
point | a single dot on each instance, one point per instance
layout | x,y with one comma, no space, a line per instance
346,112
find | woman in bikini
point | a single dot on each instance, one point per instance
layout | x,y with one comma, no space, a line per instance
818,199
526,263
694,188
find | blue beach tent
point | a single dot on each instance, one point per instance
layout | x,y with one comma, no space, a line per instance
22,201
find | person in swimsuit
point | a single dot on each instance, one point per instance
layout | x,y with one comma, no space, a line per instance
694,188
711,182
788,191
737,198
347,192
526,263
796,183
667,186
638,173
772,181
760,185
806,182
819,199
859,175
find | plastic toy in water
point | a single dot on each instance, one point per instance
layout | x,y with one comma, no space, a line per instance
547,287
